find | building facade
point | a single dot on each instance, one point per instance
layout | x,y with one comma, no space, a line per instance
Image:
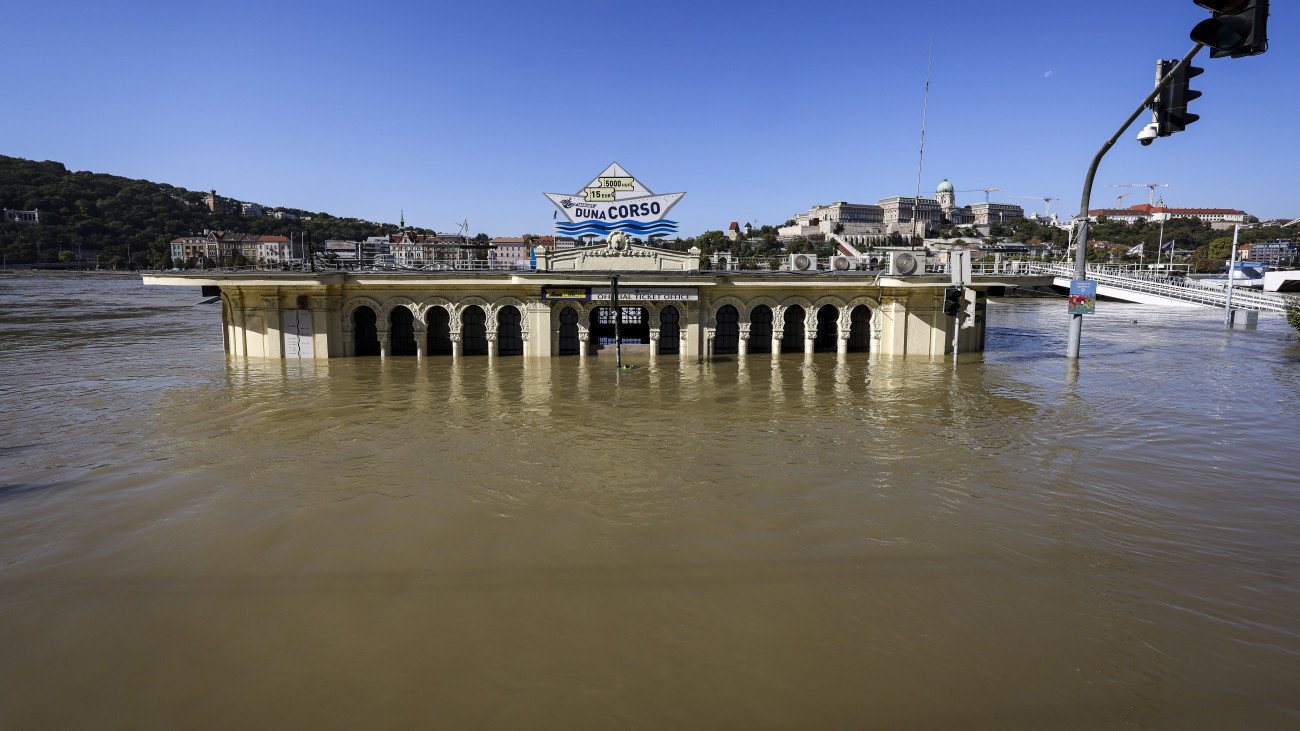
1218,217
670,309
12,216
896,214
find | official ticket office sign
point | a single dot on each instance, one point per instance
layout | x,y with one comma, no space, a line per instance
625,294
615,201
1083,297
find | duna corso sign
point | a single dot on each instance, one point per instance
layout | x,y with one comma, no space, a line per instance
615,201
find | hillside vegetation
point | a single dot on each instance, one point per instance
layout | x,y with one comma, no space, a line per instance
106,214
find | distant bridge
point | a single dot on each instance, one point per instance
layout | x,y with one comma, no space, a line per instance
1129,286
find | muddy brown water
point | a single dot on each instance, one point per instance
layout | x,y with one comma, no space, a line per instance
825,542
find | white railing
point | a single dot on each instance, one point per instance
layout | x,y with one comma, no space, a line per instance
1159,286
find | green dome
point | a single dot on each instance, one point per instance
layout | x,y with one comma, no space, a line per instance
944,187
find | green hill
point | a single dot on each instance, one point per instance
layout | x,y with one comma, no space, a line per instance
106,214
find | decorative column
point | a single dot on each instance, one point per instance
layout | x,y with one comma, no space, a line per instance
654,342
457,348
421,340
385,344
842,344
492,343
743,346
583,337
777,337
809,337
710,333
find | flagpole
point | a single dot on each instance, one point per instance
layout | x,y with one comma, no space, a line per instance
1160,246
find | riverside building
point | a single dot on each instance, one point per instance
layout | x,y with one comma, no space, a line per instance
670,308
562,306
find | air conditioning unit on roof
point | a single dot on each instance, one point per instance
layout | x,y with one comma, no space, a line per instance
904,263
843,263
803,262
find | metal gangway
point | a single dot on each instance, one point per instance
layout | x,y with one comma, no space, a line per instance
1152,288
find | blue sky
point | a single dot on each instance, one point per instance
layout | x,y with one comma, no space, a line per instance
758,110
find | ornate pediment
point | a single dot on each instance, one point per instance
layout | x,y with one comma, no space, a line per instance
618,254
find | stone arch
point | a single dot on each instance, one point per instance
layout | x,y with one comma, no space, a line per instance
846,313
476,337
437,322
394,302
771,303
495,313
567,340
403,330
582,308
726,331
711,320
351,306
778,312
428,303
465,302
829,299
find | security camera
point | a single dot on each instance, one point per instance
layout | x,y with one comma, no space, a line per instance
1149,134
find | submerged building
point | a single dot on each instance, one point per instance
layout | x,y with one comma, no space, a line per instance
669,308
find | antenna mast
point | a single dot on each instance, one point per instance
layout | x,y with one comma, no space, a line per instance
925,108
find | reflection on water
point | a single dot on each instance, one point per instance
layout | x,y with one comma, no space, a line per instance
766,541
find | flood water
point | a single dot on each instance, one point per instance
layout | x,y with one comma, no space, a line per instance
188,541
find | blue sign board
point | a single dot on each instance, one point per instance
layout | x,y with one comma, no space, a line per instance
1083,297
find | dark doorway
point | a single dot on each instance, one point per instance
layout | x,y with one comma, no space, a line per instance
670,331
860,329
828,330
364,335
636,325
439,331
473,331
792,340
726,339
510,335
568,331
401,329
760,329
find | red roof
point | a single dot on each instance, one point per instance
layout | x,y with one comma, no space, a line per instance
1148,208
279,239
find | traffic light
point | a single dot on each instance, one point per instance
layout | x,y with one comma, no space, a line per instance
976,306
1238,27
952,301
1171,105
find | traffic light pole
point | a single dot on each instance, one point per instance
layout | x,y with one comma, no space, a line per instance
1081,242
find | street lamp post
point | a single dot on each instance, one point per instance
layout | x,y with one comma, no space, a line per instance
1081,252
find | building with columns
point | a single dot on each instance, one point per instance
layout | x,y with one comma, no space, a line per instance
896,214
670,308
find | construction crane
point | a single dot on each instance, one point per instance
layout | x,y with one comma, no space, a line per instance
1119,200
1043,198
1152,186
985,191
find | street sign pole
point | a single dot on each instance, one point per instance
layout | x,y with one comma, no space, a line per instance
1232,268
618,322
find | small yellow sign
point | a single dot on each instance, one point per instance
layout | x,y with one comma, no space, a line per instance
619,183
566,293
599,194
